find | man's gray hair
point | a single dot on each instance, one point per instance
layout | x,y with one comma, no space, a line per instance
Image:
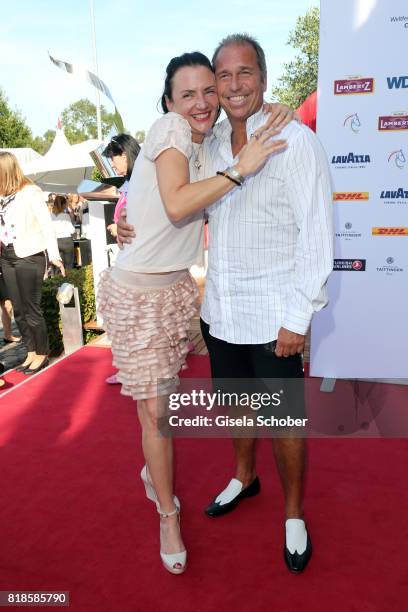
243,39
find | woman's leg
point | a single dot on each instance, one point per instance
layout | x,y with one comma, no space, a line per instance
30,274
6,314
158,452
5,306
8,265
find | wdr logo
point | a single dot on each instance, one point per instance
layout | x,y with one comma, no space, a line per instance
397,82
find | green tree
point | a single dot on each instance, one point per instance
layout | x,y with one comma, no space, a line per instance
14,132
79,121
41,144
140,136
299,79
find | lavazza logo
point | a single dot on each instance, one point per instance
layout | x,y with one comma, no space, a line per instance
349,265
351,160
354,85
389,267
395,196
348,233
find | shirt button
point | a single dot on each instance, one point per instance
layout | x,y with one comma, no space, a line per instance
12,225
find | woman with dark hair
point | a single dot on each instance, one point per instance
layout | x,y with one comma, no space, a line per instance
122,152
148,299
64,230
26,236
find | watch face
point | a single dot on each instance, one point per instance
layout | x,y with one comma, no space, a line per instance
234,172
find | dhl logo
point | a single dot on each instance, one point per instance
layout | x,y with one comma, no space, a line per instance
347,196
390,231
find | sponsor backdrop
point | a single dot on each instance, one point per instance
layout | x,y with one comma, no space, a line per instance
363,124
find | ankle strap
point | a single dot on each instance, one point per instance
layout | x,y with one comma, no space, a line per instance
166,514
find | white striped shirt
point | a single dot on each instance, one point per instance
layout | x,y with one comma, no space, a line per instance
271,241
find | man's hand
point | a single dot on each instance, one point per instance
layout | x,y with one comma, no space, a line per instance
125,232
289,343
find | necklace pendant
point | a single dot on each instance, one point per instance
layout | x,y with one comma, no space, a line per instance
197,164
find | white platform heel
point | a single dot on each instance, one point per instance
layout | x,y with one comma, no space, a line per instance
175,563
151,493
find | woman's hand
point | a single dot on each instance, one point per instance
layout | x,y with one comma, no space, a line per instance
280,115
58,264
260,146
113,229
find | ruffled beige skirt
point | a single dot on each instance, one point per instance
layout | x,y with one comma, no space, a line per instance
148,329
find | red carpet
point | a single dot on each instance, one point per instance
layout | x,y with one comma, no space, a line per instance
74,517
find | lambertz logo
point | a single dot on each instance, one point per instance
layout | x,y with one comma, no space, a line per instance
358,85
389,231
395,196
352,265
398,157
353,122
393,123
348,233
351,160
350,196
390,267
397,82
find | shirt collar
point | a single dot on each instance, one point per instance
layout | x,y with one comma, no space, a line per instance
223,130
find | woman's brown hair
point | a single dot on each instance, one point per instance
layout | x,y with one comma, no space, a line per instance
60,204
12,178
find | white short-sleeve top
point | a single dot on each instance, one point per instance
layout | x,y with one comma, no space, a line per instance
160,245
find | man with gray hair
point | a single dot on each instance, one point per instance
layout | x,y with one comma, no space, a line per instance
270,254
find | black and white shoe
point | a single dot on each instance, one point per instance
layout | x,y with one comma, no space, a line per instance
298,547
230,497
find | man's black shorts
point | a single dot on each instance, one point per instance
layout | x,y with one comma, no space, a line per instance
254,368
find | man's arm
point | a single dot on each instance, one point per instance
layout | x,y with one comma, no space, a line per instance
309,192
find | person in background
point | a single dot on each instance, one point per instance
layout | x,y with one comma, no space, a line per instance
122,152
64,229
27,237
51,200
75,208
6,314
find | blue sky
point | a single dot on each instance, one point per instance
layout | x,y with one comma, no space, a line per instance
135,42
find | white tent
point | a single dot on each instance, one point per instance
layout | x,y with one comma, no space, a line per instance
64,166
24,155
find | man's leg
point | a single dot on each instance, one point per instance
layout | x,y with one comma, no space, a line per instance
229,361
289,451
290,461
286,373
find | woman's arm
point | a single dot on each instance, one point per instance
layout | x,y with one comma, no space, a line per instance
183,199
43,216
